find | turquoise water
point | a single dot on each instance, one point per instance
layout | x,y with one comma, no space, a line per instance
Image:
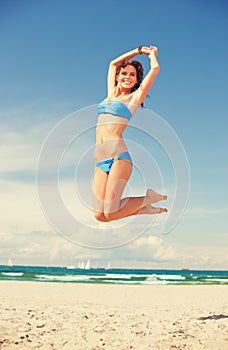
112,276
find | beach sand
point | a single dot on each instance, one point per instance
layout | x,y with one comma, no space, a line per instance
37,315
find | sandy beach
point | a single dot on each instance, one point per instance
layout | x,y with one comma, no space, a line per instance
38,315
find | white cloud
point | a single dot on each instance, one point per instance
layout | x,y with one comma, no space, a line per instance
41,248
19,151
20,209
148,251
153,248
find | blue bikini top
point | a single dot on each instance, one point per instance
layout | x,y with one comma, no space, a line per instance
114,107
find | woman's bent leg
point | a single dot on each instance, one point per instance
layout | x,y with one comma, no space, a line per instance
116,208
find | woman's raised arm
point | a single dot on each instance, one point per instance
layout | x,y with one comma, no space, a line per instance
147,82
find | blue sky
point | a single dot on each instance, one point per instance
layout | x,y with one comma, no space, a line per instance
53,62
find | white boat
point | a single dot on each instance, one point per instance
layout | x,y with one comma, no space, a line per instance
81,265
10,263
71,267
108,267
87,265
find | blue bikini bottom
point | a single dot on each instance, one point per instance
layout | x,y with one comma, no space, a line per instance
106,164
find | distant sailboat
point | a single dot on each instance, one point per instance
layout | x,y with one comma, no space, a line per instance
81,265
87,265
108,267
10,263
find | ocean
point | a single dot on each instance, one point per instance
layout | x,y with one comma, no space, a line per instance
112,275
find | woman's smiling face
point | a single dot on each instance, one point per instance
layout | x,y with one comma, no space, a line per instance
127,77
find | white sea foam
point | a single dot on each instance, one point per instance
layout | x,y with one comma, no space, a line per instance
170,277
115,276
221,280
63,278
13,274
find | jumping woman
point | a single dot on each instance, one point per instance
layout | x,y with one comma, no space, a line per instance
126,92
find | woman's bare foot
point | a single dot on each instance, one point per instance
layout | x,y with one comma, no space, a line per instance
152,210
154,196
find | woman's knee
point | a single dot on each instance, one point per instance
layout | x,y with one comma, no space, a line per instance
110,216
100,217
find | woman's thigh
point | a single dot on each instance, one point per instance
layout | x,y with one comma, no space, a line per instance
117,180
99,189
